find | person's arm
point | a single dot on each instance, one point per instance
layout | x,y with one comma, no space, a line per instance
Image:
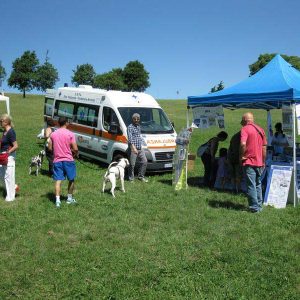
264,148
213,148
74,149
47,133
130,140
264,153
133,148
242,151
14,147
50,145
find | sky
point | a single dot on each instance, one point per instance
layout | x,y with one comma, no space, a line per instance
186,46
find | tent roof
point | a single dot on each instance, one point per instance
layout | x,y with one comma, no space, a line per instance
270,87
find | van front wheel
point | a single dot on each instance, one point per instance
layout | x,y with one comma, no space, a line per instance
117,156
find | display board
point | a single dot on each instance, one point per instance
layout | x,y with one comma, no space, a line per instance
287,123
278,185
205,117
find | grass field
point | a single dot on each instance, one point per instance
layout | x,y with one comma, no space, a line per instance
149,243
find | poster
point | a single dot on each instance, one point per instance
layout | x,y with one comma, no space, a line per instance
287,123
278,186
298,117
205,117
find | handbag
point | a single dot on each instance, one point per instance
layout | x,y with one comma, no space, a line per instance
202,149
4,158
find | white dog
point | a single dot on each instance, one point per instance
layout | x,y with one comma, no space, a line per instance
116,170
37,162
41,135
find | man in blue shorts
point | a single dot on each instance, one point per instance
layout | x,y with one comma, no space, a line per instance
63,144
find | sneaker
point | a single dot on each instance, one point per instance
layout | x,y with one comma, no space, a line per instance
143,179
57,204
71,201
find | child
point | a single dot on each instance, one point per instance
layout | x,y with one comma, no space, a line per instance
222,173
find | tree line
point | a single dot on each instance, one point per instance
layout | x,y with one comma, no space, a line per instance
27,74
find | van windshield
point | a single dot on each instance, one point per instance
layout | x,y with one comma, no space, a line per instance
153,120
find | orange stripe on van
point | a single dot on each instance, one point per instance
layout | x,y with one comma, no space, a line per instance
93,131
161,147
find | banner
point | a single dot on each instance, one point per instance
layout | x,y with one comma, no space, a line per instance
287,123
298,117
205,117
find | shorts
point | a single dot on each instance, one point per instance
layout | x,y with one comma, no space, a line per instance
62,169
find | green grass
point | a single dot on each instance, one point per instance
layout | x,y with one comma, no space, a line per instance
149,243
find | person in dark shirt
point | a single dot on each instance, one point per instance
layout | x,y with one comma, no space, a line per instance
136,151
8,144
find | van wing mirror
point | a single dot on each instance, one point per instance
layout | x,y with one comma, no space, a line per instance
114,128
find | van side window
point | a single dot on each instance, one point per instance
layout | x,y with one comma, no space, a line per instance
48,108
109,116
64,109
87,115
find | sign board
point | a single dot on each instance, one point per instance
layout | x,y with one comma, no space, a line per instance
278,185
287,123
205,117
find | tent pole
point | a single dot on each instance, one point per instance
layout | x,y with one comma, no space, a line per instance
187,118
294,154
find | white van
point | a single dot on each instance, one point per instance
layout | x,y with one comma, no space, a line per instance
99,119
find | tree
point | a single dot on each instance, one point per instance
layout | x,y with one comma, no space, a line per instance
213,89
2,73
218,87
46,76
23,74
263,59
112,80
136,78
84,74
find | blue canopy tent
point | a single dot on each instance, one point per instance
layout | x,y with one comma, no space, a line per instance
276,84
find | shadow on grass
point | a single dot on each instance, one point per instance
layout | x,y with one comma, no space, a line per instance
226,204
50,197
165,181
195,181
91,163
45,173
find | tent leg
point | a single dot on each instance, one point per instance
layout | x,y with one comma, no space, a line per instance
294,155
187,118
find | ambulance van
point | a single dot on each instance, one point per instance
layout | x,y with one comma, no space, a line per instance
99,119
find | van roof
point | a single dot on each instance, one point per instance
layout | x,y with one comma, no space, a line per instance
117,98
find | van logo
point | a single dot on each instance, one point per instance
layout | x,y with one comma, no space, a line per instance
104,147
134,96
168,155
